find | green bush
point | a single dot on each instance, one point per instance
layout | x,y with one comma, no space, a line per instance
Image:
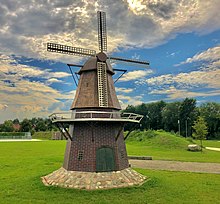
43,135
190,139
6,134
158,139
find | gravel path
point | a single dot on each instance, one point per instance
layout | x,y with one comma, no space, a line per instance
176,166
213,148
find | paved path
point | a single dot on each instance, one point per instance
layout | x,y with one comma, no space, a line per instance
176,166
213,148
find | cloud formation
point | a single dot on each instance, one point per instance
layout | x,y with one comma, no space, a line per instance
181,85
135,75
26,26
128,100
123,90
210,55
22,97
174,93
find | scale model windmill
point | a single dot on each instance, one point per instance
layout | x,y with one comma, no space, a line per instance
95,136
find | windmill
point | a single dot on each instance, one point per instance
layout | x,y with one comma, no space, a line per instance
96,142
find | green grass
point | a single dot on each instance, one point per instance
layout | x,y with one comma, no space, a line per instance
166,146
23,163
210,143
42,135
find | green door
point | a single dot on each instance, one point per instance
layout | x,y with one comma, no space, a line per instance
105,160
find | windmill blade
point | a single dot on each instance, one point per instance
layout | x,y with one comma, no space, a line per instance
102,34
102,84
138,62
53,47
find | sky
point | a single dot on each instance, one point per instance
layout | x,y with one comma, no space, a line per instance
180,39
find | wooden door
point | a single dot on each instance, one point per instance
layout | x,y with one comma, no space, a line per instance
105,160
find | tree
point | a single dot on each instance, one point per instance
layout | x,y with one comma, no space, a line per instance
170,116
200,129
129,109
41,125
187,114
211,113
26,125
155,114
152,115
16,121
7,126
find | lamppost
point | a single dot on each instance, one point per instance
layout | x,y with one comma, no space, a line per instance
148,118
179,126
186,121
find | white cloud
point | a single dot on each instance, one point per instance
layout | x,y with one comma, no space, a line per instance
54,80
3,107
129,100
10,65
26,98
207,76
135,75
173,93
135,56
180,16
209,55
26,26
182,85
209,79
123,90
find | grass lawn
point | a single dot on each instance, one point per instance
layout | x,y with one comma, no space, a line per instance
166,146
23,163
159,153
211,143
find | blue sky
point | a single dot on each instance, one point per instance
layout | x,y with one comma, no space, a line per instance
180,39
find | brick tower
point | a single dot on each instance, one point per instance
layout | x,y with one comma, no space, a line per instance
95,134
97,140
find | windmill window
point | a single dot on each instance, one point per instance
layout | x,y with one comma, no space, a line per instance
80,155
122,155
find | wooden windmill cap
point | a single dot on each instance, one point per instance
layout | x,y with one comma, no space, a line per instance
91,64
102,56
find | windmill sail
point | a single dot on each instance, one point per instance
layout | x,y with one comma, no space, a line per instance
102,84
53,47
102,34
143,63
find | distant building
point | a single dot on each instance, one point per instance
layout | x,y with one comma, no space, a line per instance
16,127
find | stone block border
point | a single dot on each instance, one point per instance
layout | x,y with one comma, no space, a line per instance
93,181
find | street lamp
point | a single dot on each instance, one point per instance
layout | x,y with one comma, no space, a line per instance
147,116
187,126
179,126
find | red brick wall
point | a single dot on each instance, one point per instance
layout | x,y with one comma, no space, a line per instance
88,137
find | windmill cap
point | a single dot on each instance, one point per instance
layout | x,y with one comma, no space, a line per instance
91,64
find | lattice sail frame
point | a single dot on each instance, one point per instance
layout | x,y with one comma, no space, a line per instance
54,47
102,84
102,33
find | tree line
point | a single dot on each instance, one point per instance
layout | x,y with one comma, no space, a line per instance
27,125
178,117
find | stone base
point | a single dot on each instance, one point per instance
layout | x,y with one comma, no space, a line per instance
92,181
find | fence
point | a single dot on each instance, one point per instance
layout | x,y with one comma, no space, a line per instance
12,135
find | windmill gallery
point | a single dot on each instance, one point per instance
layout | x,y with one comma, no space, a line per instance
95,156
